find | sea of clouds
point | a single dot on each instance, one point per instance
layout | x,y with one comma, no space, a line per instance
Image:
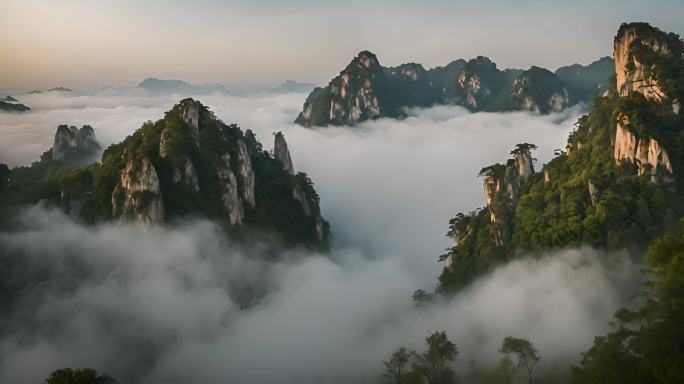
159,305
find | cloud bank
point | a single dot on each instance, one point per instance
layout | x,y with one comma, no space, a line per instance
160,306
387,186
167,305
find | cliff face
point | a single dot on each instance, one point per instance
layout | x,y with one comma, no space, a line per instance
73,144
502,185
282,153
646,153
365,90
643,55
138,195
631,73
301,190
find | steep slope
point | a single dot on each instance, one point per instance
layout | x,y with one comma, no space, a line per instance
618,184
188,164
365,90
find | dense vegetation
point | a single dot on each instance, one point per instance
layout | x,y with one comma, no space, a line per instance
582,196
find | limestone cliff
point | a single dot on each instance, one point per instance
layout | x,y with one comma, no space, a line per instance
75,145
632,73
138,195
644,60
301,189
502,185
282,153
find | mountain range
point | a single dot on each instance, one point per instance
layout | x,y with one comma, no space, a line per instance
168,87
365,89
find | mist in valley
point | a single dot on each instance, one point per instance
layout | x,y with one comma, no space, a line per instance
163,304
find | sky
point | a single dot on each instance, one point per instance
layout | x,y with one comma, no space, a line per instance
81,43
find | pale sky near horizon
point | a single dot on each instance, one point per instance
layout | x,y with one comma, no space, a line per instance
81,43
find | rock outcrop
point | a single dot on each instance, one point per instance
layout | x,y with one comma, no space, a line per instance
138,195
639,53
73,144
646,153
229,191
301,191
631,73
245,173
282,153
539,90
479,82
502,185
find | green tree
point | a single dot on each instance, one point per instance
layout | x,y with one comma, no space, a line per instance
524,351
4,176
394,367
435,364
78,376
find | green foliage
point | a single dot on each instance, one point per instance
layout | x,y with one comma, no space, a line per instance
524,351
395,366
646,345
435,364
78,376
630,210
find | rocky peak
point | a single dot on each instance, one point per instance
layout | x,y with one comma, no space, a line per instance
410,71
73,144
479,81
502,186
539,90
282,153
189,112
632,73
366,59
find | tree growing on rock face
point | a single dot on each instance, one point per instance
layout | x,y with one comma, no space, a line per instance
394,367
524,351
434,365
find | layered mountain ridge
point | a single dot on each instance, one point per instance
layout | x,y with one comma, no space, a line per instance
366,90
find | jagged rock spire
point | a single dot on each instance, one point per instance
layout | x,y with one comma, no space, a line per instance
282,153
